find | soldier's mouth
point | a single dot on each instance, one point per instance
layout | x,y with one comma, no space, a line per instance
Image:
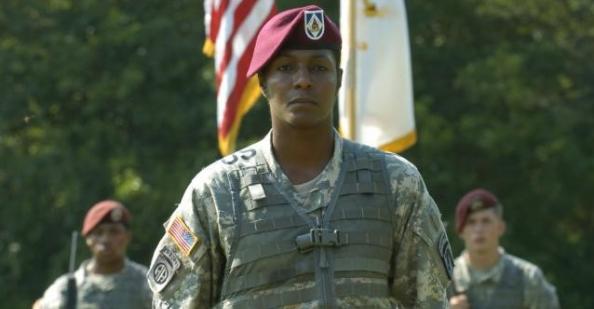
102,247
479,240
303,101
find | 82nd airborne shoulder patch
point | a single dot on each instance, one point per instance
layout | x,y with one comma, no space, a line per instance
314,24
163,269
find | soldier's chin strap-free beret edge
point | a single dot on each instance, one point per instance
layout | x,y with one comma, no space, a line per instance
300,28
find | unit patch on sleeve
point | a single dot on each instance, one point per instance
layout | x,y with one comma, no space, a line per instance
445,252
183,237
163,269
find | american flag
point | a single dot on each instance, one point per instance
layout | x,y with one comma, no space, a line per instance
231,28
182,235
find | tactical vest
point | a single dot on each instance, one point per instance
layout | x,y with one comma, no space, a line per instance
509,292
122,290
277,243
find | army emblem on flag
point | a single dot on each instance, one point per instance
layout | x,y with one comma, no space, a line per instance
182,236
314,24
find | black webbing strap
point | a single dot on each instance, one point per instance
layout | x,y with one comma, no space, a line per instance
309,294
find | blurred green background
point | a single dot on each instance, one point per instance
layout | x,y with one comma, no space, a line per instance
107,98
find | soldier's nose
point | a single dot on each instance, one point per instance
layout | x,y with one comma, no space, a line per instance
302,78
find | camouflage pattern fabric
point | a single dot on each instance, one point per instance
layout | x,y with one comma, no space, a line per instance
181,278
126,289
536,291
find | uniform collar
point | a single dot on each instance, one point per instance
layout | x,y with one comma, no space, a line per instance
82,272
105,282
492,274
326,179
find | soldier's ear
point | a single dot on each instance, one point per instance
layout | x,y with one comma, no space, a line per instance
88,241
339,82
263,89
128,237
500,228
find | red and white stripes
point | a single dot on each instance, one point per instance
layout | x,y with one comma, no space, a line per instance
231,29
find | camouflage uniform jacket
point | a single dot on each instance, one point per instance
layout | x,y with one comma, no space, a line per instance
535,292
189,264
126,289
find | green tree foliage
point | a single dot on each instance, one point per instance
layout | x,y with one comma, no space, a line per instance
99,99
114,99
504,101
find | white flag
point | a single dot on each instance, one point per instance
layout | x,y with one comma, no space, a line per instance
376,97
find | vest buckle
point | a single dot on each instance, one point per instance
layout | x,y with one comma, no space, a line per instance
318,237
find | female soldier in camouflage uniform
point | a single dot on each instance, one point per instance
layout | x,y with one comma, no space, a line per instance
303,218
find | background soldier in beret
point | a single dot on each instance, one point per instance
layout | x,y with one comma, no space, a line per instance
303,218
485,276
108,279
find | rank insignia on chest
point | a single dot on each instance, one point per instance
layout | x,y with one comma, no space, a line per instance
257,192
314,24
183,237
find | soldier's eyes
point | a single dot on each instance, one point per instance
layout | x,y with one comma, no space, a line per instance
312,68
284,67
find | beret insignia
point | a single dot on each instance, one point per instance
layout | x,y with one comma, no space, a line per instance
314,24
116,214
477,205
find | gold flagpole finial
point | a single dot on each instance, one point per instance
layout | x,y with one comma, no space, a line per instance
370,8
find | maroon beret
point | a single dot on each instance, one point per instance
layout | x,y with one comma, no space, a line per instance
300,28
477,199
105,211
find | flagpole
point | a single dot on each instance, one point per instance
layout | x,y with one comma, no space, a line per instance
352,67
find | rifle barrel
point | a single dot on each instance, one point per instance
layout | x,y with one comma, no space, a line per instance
73,242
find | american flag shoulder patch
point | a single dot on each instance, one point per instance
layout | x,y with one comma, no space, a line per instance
183,237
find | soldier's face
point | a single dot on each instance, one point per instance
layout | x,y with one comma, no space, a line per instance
108,242
482,231
301,87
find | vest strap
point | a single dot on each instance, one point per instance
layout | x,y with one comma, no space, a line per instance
254,280
362,188
272,249
364,163
361,264
369,213
237,214
266,225
274,300
318,237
